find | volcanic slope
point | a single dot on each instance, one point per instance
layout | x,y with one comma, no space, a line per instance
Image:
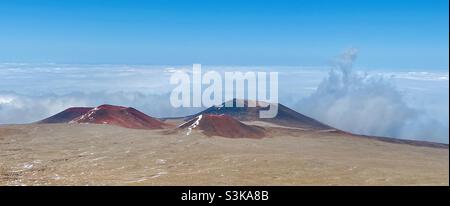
127,117
222,125
247,112
66,116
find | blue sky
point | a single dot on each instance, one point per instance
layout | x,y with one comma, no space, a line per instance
389,34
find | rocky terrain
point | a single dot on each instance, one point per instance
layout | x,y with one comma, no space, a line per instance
114,145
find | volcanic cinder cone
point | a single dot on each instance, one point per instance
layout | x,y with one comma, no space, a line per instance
285,115
120,116
222,125
106,114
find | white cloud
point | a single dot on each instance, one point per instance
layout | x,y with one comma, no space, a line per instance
406,104
368,104
27,109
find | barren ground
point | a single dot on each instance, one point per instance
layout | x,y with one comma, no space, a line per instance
72,154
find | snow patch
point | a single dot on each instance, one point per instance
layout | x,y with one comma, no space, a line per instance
194,125
88,115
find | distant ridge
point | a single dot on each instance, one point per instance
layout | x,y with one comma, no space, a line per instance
285,116
214,121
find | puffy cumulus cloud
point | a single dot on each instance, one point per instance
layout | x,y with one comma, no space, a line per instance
368,104
16,108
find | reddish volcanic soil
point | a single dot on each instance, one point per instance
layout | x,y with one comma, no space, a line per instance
120,116
223,125
66,116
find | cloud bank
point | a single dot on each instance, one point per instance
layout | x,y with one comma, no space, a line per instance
405,103
368,104
16,108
